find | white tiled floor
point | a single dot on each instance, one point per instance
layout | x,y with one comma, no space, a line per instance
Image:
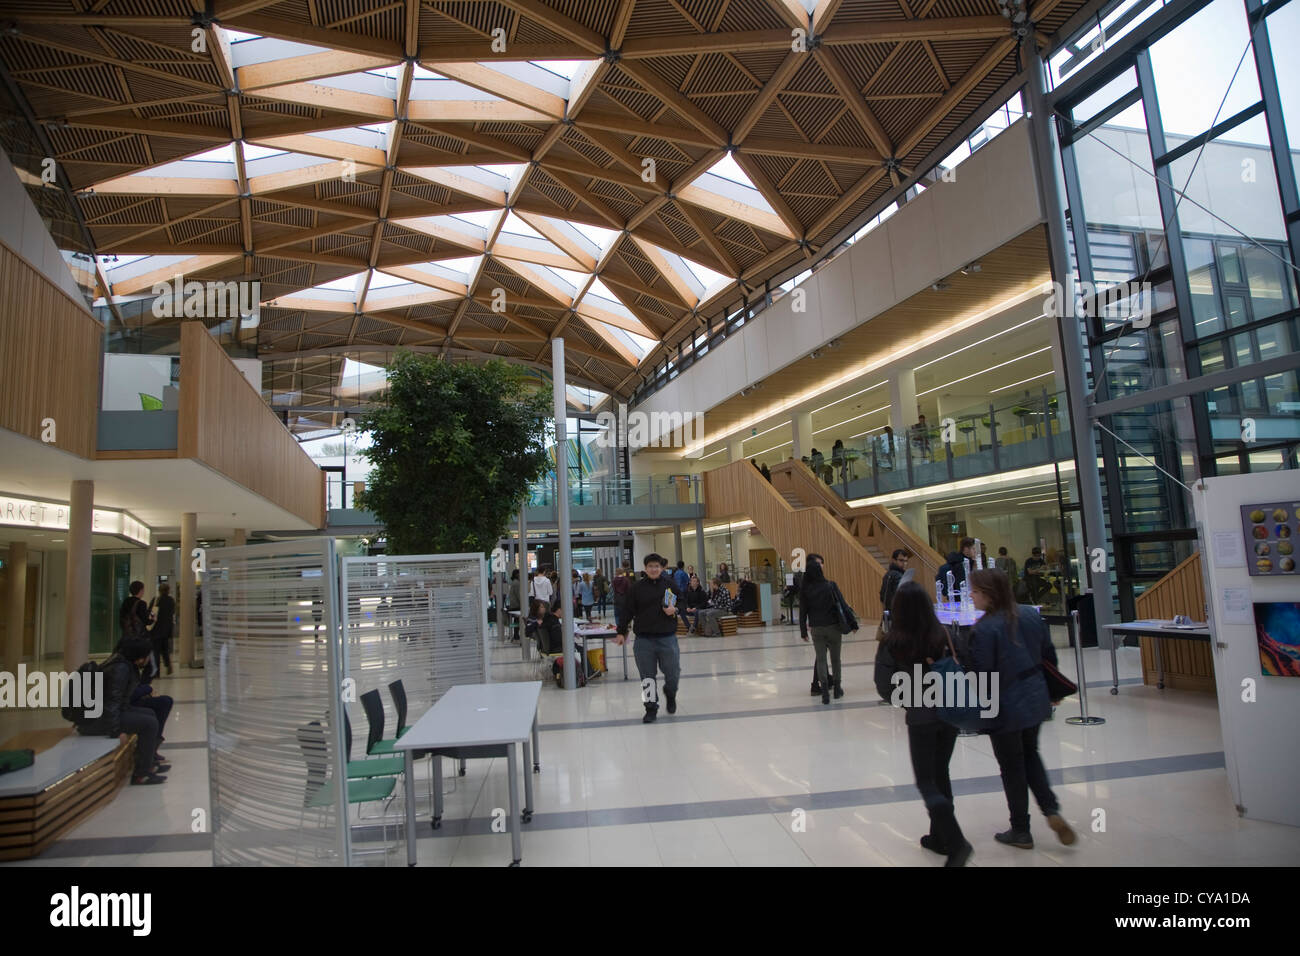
752,771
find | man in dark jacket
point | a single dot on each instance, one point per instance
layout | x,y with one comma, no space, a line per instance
897,568
957,565
120,718
652,614
161,635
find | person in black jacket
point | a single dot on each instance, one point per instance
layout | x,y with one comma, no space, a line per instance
544,627
120,718
957,565
818,603
695,599
133,616
1012,640
893,577
161,635
650,608
917,637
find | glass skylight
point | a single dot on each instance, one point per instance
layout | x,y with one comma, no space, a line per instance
728,168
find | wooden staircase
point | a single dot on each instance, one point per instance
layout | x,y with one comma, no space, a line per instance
795,510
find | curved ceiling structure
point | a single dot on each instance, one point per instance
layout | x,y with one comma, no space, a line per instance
481,177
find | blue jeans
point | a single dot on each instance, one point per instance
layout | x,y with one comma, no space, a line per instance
654,653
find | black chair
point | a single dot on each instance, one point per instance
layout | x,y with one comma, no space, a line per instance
398,691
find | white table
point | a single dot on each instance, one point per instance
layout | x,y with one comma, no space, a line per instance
604,633
470,721
1166,630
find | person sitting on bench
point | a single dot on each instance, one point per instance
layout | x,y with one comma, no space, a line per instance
120,718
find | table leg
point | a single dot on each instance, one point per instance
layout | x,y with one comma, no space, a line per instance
1114,665
537,753
512,756
409,777
462,766
625,660
528,781
1160,663
437,790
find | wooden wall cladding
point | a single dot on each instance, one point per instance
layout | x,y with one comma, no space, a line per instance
738,489
1189,665
50,349
224,423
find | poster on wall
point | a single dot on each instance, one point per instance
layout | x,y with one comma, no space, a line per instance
1277,630
1271,531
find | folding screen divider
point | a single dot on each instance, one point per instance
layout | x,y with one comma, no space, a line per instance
273,672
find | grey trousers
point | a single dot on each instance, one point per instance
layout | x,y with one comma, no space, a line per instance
654,653
827,637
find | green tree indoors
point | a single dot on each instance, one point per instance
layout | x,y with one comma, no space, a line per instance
453,448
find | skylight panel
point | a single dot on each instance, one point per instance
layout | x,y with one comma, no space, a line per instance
564,68
483,220
575,279
238,36
704,275
381,280
221,154
599,288
253,151
516,226
598,235
345,284
465,266
728,168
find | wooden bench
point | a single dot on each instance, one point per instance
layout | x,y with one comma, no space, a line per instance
727,624
749,619
71,778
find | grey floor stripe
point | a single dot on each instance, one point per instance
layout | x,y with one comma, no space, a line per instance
831,800
666,813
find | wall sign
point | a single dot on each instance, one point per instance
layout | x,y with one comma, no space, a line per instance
53,516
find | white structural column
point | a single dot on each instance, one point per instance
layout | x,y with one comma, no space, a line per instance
902,401
76,631
801,429
151,567
914,516
736,448
15,606
239,537
186,588
565,584
521,553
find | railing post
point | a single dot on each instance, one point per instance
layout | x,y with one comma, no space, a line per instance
947,450
993,439
1047,425
907,447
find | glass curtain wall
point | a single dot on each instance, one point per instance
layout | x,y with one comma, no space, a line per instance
1181,182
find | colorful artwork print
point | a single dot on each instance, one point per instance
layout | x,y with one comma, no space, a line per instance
1277,630
1270,528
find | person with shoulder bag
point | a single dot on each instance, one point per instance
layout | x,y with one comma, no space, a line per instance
913,644
822,607
1012,641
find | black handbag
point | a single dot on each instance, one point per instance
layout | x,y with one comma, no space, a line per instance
848,621
1059,686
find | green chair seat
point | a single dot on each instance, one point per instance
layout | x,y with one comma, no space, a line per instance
384,747
359,791
384,767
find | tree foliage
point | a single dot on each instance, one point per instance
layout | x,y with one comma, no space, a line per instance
453,448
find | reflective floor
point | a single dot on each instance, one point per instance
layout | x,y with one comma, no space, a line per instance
754,771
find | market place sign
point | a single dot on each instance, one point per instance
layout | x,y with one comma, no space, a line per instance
53,516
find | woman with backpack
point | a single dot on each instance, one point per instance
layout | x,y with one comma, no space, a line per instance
820,607
917,637
1011,640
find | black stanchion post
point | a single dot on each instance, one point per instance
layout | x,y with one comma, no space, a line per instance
1076,638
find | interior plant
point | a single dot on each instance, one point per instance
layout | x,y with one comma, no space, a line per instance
453,447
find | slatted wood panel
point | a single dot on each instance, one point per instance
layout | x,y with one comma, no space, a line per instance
49,358
1189,665
874,525
29,824
738,489
224,423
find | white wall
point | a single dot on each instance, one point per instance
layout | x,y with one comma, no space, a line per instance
992,200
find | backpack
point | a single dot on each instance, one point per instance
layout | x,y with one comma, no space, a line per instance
77,713
132,626
579,670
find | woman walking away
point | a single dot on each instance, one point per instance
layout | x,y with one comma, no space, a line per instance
1011,640
819,608
917,637
587,594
